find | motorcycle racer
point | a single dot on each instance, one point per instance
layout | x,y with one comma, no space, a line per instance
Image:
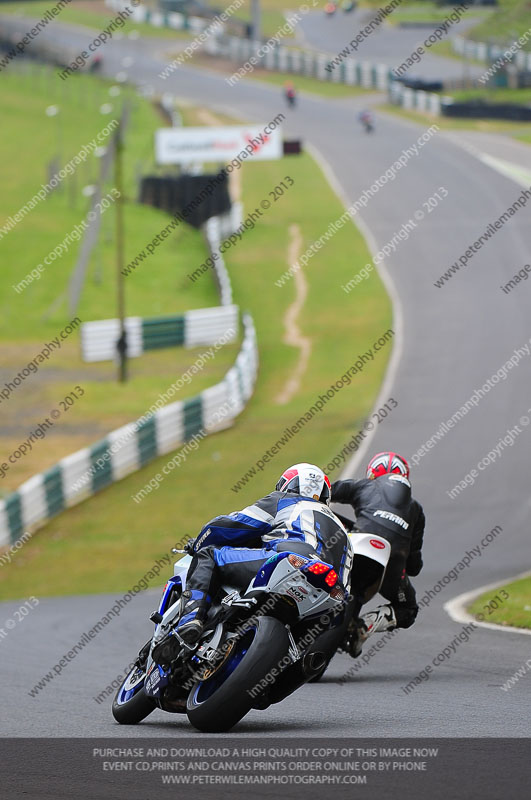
383,505
232,548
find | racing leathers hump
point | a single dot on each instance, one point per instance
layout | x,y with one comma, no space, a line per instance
385,506
280,517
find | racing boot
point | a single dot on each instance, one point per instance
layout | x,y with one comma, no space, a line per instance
194,607
381,619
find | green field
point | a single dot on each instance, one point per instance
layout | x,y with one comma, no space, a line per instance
494,95
273,13
38,313
508,20
500,24
106,543
98,18
514,610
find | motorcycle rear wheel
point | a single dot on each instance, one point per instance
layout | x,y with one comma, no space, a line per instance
218,703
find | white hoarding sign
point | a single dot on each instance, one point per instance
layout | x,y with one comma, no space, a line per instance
196,145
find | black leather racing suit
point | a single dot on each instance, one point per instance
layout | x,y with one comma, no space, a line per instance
385,506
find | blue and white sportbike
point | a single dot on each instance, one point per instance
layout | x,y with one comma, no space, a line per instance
257,646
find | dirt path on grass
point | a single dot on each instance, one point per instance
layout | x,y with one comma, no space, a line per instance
293,335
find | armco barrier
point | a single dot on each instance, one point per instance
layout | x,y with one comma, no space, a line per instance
350,71
308,63
479,109
216,230
417,100
202,326
488,53
82,474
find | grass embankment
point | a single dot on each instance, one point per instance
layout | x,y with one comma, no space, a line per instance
507,21
108,542
90,14
273,16
494,95
29,141
95,14
502,23
515,610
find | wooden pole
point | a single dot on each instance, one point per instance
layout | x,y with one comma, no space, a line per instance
119,210
256,20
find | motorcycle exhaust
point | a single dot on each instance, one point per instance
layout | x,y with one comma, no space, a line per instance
312,664
295,676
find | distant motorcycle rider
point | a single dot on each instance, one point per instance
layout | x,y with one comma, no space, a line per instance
232,549
367,120
383,505
290,94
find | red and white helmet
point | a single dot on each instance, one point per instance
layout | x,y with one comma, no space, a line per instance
306,480
383,463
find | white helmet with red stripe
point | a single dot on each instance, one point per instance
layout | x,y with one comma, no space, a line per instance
384,463
306,480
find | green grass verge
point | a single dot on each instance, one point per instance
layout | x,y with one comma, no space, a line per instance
273,14
509,20
98,18
160,284
108,542
28,319
514,611
494,95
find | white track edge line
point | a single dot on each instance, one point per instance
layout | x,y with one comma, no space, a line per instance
456,608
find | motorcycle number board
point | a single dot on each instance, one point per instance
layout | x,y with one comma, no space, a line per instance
221,144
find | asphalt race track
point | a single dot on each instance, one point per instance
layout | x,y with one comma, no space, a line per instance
449,341
385,44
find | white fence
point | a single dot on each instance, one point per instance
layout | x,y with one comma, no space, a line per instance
416,100
488,53
300,62
162,429
201,326
122,452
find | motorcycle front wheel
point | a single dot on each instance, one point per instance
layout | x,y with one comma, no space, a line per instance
131,704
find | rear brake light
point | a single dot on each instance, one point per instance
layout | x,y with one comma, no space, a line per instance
331,578
318,568
296,561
